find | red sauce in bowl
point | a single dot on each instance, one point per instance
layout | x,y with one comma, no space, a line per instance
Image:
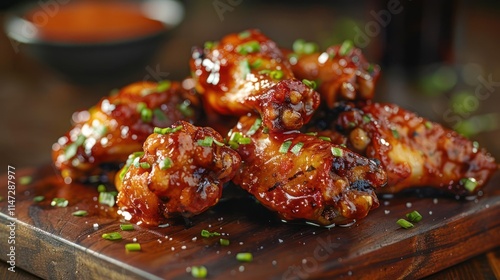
92,21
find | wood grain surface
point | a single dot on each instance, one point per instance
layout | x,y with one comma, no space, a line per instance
52,243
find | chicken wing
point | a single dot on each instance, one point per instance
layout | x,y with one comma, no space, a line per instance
103,136
415,152
304,177
247,72
181,171
342,72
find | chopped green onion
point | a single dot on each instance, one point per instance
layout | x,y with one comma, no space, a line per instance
395,133
224,242
310,48
80,213
38,198
163,85
146,115
256,64
206,142
414,217
370,68
141,106
325,138
276,74
311,133
101,188
59,202
132,247
346,47
404,224
244,257
309,83
166,163
428,124
469,184
237,139
302,47
337,152
265,130
112,236
72,148
209,45
285,146
199,271
185,108
244,68
107,198
145,165
244,34
205,233
127,227
367,118
160,115
130,160
167,130
25,180
296,149
248,47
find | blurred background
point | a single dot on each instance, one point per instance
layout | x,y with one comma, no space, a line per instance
438,58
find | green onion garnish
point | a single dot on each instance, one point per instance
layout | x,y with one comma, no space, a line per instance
185,109
404,224
133,247
302,47
38,198
166,163
205,233
244,68
80,213
248,47
199,271
163,85
395,133
127,227
131,158
112,236
59,202
145,165
101,188
296,149
414,217
256,64
237,139
346,47
141,106
469,184
325,138
146,115
244,34
337,152
167,130
160,115
244,257
367,118
276,74
428,124
224,242
310,48
285,146
107,198
72,148
25,180
206,142
309,83
209,45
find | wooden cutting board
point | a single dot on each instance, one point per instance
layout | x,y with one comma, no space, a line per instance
52,243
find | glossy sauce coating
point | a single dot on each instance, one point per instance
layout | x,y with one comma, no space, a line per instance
247,73
311,179
176,175
107,133
414,151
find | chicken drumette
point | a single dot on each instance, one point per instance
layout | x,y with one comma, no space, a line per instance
247,72
341,72
304,177
414,151
181,171
104,136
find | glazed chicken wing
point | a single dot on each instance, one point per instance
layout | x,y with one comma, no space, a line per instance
414,151
247,72
181,171
104,136
304,177
342,72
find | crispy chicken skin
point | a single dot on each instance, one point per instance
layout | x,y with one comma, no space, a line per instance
414,151
181,171
342,73
311,179
103,136
247,72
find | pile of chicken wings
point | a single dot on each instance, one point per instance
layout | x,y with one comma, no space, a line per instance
296,128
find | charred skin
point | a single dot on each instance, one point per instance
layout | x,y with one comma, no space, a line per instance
342,73
103,136
414,151
320,182
247,73
176,175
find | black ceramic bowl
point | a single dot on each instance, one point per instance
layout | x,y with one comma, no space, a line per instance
90,62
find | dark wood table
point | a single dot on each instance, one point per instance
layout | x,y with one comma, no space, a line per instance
36,103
